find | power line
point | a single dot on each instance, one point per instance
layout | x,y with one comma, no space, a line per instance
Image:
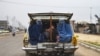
25,4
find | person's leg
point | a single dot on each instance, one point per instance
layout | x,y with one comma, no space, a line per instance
57,38
46,35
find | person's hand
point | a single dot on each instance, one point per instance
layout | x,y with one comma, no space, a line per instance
57,42
57,38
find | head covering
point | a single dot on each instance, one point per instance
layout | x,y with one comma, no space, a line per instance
38,21
61,21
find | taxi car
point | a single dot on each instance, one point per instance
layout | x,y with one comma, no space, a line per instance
35,42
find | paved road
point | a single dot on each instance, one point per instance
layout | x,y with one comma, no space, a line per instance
11,46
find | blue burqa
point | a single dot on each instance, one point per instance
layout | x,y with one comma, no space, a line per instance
65,31
35,35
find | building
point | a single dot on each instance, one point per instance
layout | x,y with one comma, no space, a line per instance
98,24
98,28
3,24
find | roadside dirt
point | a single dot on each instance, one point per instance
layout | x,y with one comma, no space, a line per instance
88,37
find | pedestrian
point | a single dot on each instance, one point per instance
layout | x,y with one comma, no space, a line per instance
13,31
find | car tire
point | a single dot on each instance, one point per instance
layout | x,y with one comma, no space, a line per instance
27,53
72,54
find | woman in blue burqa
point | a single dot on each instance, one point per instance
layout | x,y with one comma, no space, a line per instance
65,31
35,30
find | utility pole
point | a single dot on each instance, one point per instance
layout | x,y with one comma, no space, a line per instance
13,21
90,14
7,22
7,19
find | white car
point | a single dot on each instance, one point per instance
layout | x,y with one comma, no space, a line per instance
35,43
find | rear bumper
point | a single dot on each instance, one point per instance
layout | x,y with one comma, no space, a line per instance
44,49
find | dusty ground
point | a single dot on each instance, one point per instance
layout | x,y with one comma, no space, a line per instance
89,37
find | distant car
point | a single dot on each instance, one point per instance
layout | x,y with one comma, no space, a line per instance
17,30
34,41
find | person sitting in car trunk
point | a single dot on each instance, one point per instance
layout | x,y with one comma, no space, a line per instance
55,36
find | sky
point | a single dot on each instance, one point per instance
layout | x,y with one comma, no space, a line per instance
18,9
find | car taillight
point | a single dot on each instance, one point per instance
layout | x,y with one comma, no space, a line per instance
74,40
25,40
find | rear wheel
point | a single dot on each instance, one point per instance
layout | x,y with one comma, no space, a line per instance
28,54
68,54
71,54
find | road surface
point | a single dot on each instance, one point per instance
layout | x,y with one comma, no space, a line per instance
11,46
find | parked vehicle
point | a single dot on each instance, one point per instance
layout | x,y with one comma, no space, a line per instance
35,42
